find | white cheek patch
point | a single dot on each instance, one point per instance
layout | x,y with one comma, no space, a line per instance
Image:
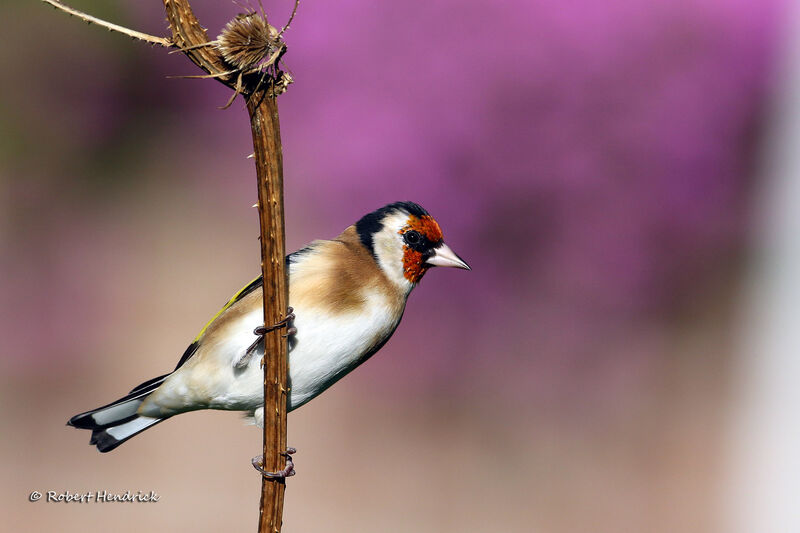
388,245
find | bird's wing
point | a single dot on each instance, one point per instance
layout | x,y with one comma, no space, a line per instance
247,289
236,298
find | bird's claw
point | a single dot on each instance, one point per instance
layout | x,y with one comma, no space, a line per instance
260,331
288,471
282,323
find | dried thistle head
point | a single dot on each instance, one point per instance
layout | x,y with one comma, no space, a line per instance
282,83
247,40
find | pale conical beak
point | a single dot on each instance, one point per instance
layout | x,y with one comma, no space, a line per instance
443,256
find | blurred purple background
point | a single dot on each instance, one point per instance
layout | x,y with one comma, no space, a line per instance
594,162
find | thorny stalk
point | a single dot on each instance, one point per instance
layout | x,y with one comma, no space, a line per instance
260,81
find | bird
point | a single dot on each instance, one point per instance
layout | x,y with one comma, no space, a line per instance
347,296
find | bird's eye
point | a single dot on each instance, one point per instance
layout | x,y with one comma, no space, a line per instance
412,237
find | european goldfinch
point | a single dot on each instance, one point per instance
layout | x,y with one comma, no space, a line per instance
348,296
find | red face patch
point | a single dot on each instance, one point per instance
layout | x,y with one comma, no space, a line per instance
413,263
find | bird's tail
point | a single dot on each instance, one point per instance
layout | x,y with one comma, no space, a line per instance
113,424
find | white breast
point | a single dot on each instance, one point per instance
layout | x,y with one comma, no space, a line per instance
328,347
325,348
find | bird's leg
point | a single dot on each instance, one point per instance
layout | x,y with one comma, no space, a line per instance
260,331
288,471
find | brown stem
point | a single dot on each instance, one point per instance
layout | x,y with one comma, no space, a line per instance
188,34
190,37
263,109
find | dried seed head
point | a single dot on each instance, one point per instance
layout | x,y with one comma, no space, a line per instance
283,82
247,40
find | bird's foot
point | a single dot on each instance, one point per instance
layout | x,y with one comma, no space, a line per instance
263,330
288,471
283,323
260,331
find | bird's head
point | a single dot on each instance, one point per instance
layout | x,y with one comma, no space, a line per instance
406,241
